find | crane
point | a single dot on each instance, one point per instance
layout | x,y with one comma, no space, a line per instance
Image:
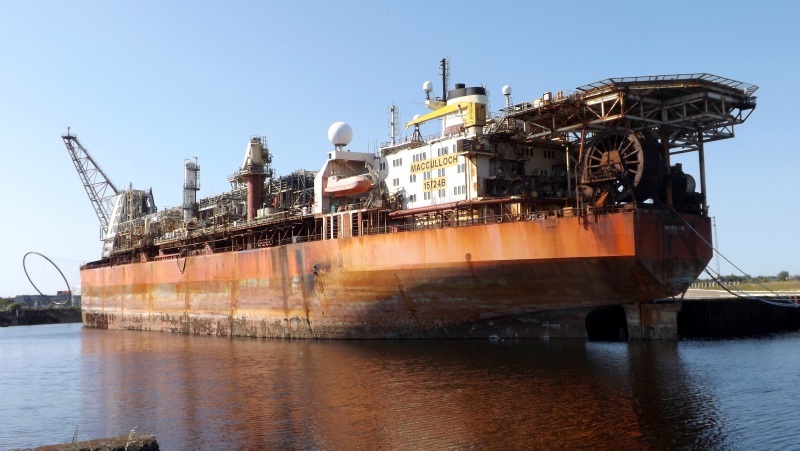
101,191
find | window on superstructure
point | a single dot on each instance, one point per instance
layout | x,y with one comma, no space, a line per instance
396,182
424,155
440,172
426,196
426,175
412,178
442,192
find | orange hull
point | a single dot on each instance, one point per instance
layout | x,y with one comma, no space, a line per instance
422,283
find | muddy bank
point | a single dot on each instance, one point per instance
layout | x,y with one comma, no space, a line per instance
127,443
43,316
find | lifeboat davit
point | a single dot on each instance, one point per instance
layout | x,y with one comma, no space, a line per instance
346,186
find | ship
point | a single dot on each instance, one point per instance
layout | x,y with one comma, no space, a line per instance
571,200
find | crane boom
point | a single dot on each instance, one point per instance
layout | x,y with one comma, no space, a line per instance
99,188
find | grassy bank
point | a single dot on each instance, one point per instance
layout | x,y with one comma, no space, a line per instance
785,285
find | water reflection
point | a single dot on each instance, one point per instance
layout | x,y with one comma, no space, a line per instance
220,393
210,392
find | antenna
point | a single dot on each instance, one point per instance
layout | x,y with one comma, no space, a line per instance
394,119
445,66
507,93
427,87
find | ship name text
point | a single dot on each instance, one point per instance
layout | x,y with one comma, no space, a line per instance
434,163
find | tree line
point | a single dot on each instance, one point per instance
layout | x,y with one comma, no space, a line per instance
780,277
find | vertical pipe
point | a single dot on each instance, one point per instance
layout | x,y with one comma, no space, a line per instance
665,146
255,188
569,175
716,242
578,163
702,160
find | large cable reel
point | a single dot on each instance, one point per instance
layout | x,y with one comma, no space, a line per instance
622,165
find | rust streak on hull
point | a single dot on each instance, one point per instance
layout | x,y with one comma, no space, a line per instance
417,283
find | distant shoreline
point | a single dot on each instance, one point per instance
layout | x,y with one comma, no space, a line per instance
40,316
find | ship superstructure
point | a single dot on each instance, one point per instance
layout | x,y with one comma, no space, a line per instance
567,200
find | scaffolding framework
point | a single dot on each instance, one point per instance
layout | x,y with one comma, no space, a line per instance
683,111
98,186
690,108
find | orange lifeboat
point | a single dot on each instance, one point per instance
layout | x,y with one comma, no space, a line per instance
346,186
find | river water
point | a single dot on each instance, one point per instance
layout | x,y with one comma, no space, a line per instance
197,392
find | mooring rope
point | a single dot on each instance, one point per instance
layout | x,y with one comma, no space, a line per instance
779,300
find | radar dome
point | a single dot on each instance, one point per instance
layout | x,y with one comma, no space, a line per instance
340,134
427,86
416,116
506,90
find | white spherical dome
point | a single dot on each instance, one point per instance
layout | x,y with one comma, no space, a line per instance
416,116
506,90
340,134
427,86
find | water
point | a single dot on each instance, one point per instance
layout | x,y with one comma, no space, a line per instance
218,393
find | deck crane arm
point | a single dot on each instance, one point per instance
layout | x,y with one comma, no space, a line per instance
99,188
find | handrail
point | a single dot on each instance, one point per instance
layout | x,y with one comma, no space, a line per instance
438,221
747,88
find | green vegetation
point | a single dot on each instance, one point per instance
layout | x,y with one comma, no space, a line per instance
781,282
788,285
8,305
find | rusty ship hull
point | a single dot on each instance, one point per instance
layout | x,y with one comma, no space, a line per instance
440,282
555,207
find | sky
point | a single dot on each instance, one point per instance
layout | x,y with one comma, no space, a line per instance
146,84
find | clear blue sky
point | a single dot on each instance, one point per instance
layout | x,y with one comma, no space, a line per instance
146,84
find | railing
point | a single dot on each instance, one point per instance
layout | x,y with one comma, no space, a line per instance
746,88
433,220
402,144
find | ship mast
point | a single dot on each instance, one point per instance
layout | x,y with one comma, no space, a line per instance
394,118
445,65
